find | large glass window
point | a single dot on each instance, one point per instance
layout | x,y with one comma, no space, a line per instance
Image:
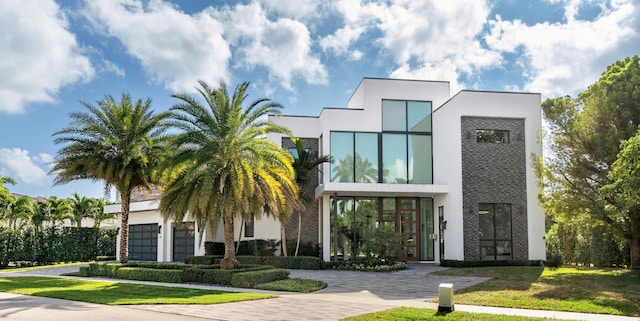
394,158
366,160
419,116
420,160
355,157
394,115
495,231
352,219
342,150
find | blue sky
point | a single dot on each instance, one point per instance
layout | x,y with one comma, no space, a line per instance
304,54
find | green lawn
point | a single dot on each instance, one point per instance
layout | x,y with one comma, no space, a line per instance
587,290
415,314
37,267
293,285
115,293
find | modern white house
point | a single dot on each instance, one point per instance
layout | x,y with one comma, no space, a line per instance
453,174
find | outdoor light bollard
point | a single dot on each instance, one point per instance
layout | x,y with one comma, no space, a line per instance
445,297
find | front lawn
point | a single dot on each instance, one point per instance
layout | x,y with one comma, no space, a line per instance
115,293
415,314
587,290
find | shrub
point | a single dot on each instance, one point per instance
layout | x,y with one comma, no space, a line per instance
305,249
148,274
457,263
100,269
365,267
203,260
213,275
382,245
102,258
251,279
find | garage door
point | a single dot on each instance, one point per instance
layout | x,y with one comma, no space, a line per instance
143,242
183,240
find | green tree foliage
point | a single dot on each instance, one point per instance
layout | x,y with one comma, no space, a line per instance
222,167
120,143
586,133
304,165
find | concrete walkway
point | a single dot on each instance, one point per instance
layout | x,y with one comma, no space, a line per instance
347,294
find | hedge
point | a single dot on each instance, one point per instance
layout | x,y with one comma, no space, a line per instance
284,262
54,244
457,263
251,279
148,274
248,247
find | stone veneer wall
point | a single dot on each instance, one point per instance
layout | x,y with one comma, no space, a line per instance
310,221
494,173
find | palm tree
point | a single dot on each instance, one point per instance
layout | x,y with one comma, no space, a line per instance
223,167
304,165
17,210
120,143
60,210
82,207
5,180
99,215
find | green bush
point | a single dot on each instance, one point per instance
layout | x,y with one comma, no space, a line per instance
148,274
285,262
251,279
305,249
100,269
382,245
248,247
293,285
208,276
365,267
203,260
457,263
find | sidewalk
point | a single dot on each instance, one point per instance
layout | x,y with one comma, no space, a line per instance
348,294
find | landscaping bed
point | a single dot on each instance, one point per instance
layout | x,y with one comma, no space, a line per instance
283,262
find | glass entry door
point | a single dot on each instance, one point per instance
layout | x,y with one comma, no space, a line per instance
408,223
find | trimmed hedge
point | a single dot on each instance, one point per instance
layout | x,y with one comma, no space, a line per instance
248,247
284,262
253,278
456,263
148,274
97,269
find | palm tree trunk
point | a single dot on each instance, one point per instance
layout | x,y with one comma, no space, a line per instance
124,227
229,261
299,229
283,238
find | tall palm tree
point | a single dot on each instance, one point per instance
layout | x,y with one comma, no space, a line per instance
119,143
304,165
222,167
98,213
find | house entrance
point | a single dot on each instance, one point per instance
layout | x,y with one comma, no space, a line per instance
408,226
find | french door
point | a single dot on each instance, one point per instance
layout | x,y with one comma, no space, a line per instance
409,227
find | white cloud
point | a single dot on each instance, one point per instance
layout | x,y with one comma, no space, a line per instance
564,58
17,163
340,41
109,66
38,54
298,9
282,46
425,39
176,49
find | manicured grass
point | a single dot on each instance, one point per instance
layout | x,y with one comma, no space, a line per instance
293,285
37,267
411,314
114,293
588,290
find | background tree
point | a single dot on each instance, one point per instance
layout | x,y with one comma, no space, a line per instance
98,215
624,191
81,207
5,180
120,143
223,168
586,133
306,162
17,210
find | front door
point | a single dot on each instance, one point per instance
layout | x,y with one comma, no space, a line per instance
408,226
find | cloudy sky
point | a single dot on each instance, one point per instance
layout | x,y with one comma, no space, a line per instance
305,54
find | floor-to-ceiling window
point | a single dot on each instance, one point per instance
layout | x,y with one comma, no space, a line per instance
353,217
355,157
495,231
406,142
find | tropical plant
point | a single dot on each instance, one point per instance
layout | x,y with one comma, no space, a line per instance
60,210
304,165
81,207
98,214
17,210
5,180
222,167
120,143
382,245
